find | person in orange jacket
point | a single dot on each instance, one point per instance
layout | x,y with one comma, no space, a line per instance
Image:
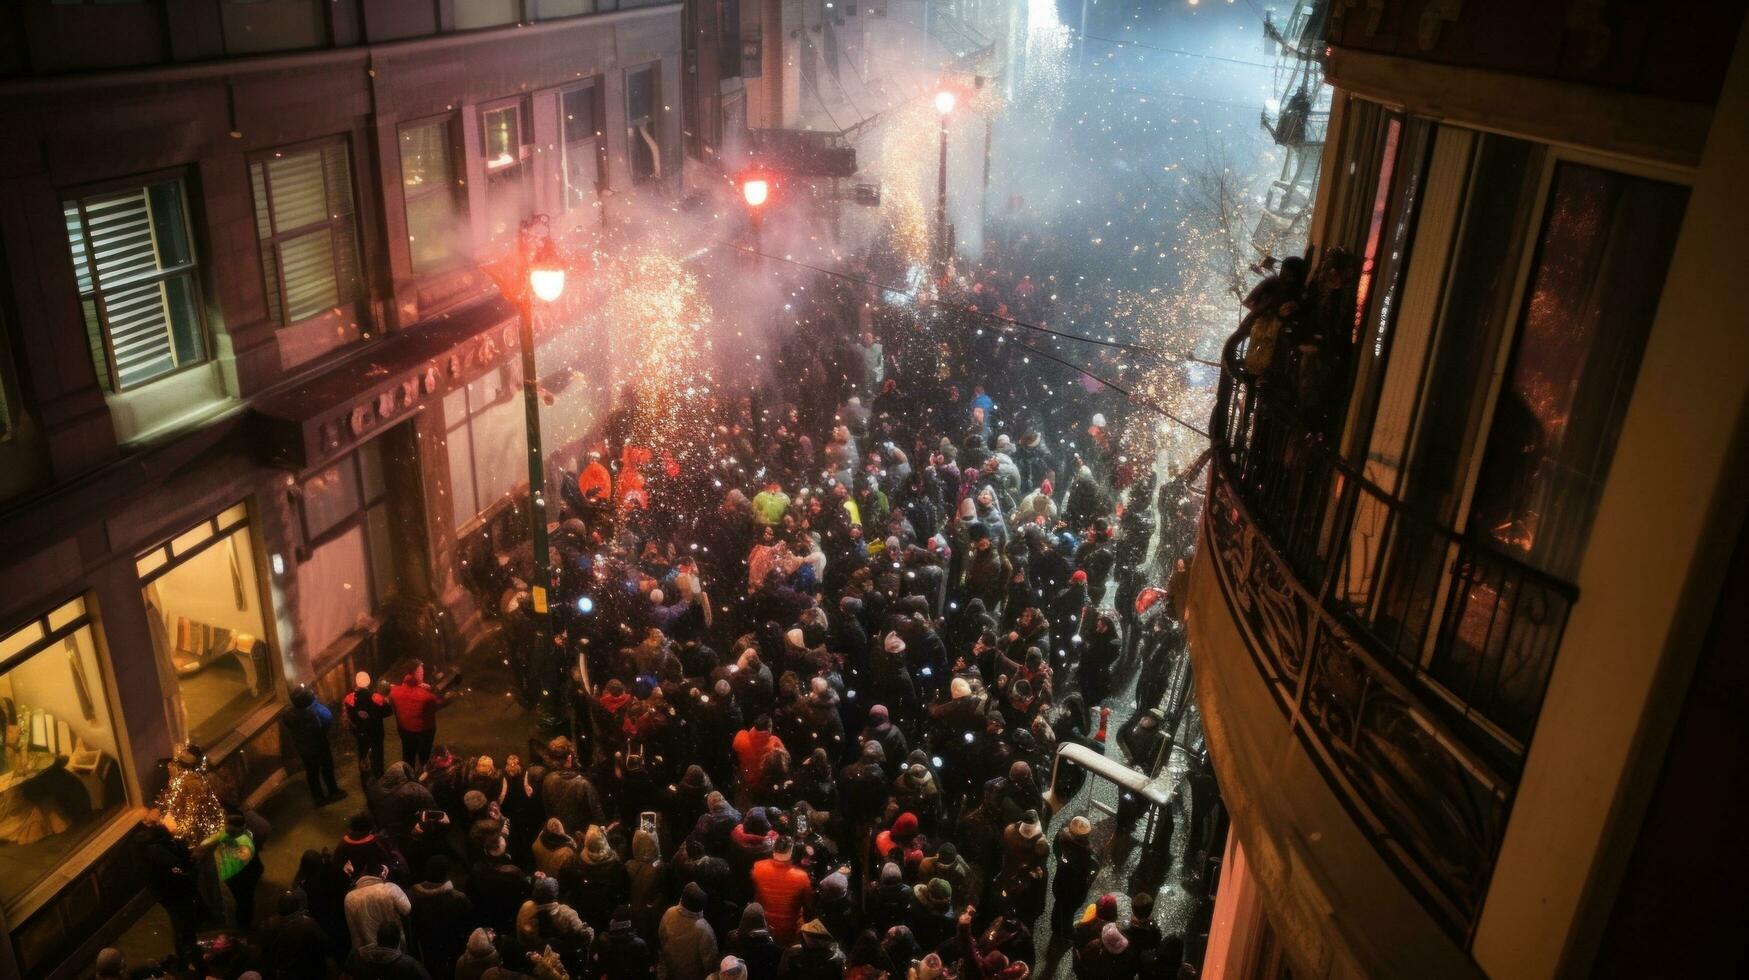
751,746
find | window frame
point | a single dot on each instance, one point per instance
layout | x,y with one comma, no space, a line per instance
359,517
632,136
520,172
452,144
83,193
39,891
278,236
482,510
597,86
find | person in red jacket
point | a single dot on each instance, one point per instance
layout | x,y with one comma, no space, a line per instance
785,890
416,707
751,746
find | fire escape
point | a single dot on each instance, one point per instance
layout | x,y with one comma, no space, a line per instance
1297,118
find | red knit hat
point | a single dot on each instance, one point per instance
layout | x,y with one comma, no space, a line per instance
1079,576
905,827
1045,488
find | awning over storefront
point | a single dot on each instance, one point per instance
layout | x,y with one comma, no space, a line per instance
311,420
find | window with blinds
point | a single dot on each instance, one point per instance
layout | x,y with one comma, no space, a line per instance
135,266
304,217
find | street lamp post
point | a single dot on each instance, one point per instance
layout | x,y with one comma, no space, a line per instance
944,101
546,281
755,191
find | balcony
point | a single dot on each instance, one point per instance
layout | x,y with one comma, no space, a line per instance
1408,660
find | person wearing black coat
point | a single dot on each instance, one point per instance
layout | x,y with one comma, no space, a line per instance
498,888
383,959
1075,868
293,945
170,877
620,952
754,944
816,957
308,721
441,920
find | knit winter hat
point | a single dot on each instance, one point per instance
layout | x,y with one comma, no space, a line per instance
1079,576
873,752
1112,938
937,895
834,887
877,715
546,890
1045,488
1106,907
905,827
692,897
947,854
755,823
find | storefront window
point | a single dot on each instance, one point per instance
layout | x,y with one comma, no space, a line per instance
208,626
60,772
350,569
486,435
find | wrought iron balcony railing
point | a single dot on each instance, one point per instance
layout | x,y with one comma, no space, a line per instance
1410,659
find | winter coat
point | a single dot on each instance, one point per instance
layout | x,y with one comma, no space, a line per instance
365,711
375,962
549,923
650,884
396,800
812,962
751,747
415,707
551,852
441,921
308,721
621,953
570,796
370,903
498,891
688,945
293,947
786,892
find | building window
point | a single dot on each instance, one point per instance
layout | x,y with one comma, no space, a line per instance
472,14
486,438
643,140
134,260
60,771
203,601
428,183
582,146
304,217
349,571
505,149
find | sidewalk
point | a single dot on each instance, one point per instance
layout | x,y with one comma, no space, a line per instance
484,717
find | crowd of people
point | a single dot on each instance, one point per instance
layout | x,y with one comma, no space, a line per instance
810,664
